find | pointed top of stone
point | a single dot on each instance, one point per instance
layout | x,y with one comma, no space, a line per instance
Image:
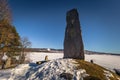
72,15
72,11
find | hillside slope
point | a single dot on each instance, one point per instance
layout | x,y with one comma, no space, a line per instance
62,69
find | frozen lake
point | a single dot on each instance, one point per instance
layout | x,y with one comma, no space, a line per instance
108,61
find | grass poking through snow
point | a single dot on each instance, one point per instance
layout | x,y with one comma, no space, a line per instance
95,71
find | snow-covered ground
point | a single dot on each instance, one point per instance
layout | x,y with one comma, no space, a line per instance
108,61
5,74
39,56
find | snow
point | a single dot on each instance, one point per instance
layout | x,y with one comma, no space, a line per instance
79,74
48,71
28,71
108,74
40,56
19,72
5,57
108,61
5,74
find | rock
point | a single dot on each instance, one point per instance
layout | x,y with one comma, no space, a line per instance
46,58
117,71
8,63
40,62
73,44
91,61
66,76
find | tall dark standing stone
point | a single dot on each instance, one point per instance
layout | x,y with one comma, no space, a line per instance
73,44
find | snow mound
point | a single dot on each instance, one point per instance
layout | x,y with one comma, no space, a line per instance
56,70
60,69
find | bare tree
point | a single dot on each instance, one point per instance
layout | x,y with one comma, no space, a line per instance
25,43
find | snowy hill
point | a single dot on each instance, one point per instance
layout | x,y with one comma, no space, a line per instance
108,61
62,69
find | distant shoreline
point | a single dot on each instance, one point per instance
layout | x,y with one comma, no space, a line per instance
51,50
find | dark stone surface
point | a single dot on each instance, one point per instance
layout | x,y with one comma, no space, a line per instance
66,76
117,71
73,44
40,62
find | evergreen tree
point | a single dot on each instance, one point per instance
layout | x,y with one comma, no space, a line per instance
5,12
9,38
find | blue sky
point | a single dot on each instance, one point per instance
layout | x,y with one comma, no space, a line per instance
44,22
